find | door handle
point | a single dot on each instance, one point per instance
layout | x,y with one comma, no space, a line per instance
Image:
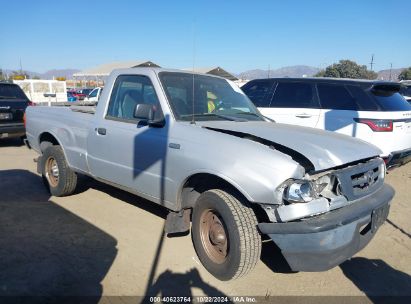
101,131
303,115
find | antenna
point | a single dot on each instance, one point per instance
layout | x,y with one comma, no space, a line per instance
194,53
372,61
268,74
390,70
21,69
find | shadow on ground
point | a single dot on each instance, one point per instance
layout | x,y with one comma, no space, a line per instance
86,183
376,278
46,250
170,284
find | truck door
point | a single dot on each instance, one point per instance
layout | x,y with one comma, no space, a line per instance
123,151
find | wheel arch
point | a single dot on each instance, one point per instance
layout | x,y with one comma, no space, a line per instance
47,137
197,183
50,139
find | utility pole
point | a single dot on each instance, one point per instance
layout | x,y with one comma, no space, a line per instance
21,69
390,70
372,61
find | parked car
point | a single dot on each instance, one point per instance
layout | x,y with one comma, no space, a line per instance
94,95
13,104
85,91
71,97
373,111
196,145
77,94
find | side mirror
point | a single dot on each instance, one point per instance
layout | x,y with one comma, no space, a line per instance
145,113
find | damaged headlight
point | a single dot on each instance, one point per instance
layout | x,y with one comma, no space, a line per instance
303,191
300,192
300,198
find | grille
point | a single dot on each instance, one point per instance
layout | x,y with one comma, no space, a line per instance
362,179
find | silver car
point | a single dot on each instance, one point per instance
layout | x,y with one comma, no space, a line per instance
197,146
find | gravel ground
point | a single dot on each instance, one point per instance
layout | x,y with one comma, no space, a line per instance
105,242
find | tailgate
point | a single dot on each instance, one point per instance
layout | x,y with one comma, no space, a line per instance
12,111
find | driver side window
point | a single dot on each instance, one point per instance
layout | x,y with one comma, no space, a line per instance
128,92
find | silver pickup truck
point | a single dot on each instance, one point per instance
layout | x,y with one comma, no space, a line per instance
196,145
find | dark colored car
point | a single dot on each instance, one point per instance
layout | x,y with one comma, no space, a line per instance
13,104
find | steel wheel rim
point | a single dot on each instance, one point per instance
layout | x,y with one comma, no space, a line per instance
52,171
214,237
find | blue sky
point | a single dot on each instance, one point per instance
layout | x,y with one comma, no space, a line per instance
237,35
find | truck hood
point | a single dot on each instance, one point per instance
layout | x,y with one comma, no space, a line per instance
323,149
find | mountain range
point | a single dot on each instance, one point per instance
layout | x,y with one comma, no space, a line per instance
289,71
67,73
306,71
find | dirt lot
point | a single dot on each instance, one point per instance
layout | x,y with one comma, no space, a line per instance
103,241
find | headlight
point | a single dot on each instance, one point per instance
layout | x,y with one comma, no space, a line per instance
300,192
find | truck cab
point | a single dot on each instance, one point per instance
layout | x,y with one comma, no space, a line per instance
197,146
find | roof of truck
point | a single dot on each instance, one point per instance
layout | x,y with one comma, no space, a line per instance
159,70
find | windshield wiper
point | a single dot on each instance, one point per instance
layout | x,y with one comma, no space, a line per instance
226,117
8,97
248,113
255,114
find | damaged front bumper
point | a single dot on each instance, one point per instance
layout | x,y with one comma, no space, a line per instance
325,241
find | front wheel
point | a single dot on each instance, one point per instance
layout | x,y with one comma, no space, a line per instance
225,236
56,173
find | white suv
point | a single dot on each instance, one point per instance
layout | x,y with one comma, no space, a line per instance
373,111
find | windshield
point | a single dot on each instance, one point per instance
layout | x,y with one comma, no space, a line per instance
214,98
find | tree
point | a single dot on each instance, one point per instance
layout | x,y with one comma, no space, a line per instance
405,74
2,75
61,78
347,69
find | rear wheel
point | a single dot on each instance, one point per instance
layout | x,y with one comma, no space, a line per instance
58,176
225,236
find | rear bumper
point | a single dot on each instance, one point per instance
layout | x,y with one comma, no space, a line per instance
12,130
325,241
399,158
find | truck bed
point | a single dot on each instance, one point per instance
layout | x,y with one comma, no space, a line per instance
70,124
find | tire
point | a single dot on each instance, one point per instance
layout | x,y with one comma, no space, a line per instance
60,182
225,235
